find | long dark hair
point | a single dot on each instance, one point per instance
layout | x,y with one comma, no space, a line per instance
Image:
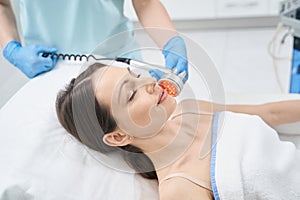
88,120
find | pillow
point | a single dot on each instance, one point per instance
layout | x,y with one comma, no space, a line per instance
40,160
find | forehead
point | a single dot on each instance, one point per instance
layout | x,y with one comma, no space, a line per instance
108,72
106,81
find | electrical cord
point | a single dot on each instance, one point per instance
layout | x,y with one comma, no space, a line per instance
272,47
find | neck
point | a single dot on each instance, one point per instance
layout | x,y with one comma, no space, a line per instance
167,146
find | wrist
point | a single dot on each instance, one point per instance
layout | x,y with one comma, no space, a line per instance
9,48
173,39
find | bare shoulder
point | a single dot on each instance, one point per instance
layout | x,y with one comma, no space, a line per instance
179,188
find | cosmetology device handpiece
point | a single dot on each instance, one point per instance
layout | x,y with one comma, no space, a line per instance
170,81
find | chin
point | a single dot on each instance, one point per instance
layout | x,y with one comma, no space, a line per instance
171,105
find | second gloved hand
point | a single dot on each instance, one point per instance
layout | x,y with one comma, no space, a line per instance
29,59
175,55
156,73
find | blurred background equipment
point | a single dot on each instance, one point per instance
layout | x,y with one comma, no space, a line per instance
290,16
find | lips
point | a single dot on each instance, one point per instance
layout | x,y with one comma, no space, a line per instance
162,96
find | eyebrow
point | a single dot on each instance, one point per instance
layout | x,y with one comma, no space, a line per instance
130,72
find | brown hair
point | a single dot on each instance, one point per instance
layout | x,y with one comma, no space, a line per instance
87,120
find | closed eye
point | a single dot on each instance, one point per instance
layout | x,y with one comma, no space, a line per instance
132,95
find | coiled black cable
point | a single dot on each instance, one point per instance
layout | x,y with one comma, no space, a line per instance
74,57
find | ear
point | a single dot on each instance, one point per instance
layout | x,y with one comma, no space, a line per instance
117,138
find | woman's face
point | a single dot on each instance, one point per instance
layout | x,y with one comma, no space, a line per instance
139,106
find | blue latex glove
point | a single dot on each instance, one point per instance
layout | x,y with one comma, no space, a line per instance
175,56
156,73
29,59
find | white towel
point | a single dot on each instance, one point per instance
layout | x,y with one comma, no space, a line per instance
249,161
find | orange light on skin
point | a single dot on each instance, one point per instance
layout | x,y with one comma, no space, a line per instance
169,87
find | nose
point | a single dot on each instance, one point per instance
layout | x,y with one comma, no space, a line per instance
150,87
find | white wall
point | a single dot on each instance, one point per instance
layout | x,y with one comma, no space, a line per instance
243,59
211,9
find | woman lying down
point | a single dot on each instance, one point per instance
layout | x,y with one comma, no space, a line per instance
195,149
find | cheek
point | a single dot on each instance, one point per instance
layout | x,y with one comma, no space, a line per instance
143,118
140,111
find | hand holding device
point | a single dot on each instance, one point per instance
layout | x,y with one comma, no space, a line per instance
175,55
29,58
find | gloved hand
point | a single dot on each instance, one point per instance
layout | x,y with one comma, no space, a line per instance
29,59
156,73
175,56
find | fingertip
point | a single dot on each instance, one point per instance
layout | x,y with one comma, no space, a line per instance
47,63
48,68
154,75
31,76
165,53
182,66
